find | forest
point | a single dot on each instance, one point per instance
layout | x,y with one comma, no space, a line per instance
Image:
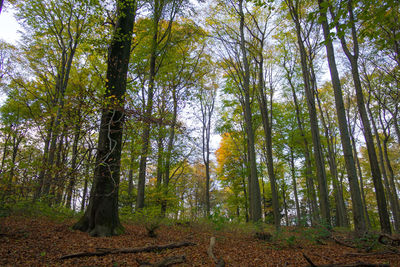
268,123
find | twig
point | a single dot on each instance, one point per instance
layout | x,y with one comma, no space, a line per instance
103,251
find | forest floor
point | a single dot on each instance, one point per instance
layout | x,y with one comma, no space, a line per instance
41,241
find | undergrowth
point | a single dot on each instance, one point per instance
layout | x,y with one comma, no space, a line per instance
36,209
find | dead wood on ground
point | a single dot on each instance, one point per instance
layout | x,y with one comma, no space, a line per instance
218,262
103,251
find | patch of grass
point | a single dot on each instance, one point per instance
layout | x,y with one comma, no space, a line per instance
40,209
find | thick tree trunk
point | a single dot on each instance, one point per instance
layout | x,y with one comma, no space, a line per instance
101,217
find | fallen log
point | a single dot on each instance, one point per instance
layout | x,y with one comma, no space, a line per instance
168,261
103,251
358,264
391,240
218,262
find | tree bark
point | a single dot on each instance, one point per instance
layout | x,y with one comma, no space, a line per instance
359,219
309,180
376,173
101,217
294,183
255,196
72,173
170,146
319,160
266,121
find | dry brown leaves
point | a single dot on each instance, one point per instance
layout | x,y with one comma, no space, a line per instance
41,242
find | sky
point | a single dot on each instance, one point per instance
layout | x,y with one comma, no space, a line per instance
8,26
9,32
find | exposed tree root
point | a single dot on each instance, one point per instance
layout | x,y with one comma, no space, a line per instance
105,251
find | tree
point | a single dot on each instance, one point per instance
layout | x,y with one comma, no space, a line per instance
353,59
359,220
207,96
159,9
309,81
101,217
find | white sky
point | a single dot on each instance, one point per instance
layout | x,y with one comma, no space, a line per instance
8,26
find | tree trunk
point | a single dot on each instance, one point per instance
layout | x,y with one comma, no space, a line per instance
85,186
357,161
255,199
359,219
393,199
38,191
338,193
73,174
376,173
296,198
266,121
130,174
171,141
309,179
149,108
319,160
101,217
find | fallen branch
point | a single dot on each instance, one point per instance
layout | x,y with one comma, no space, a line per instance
343,243
165,262
359,264
102,252
218,262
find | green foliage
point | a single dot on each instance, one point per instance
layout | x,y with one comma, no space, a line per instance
38,209
218,220
149,217
368,241
317,233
